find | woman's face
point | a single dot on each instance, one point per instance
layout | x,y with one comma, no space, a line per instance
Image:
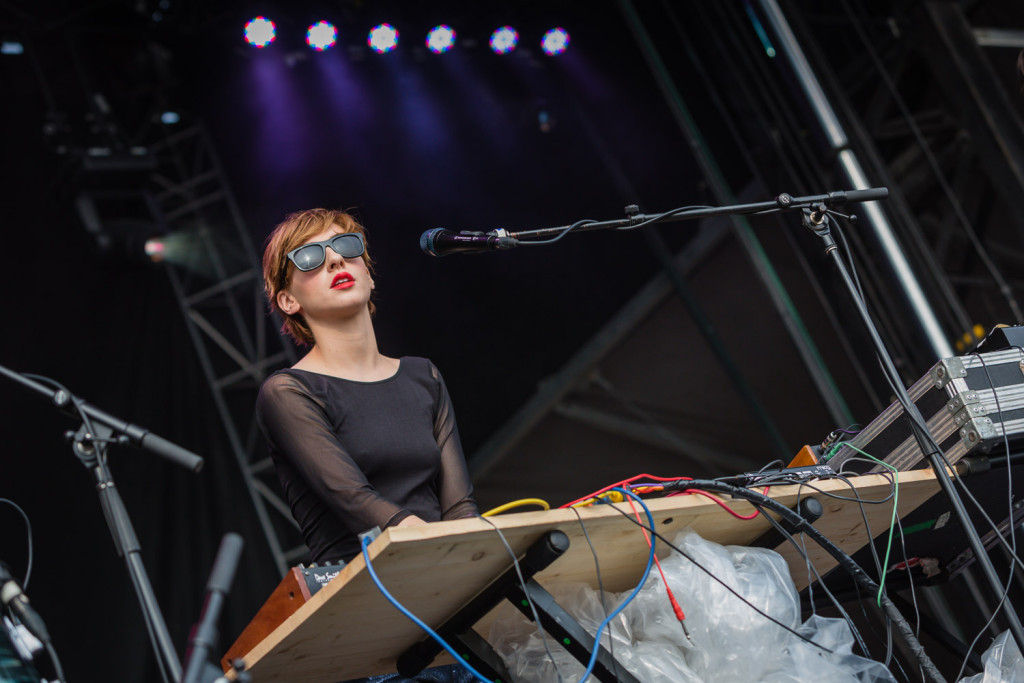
339,288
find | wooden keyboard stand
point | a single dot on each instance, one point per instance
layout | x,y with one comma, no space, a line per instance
349,630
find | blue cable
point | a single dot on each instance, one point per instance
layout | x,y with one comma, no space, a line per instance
433,634
643,580
462,662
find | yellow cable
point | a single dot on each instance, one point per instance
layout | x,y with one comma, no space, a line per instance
517,503
613,496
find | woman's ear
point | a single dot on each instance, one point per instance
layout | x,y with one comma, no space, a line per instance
287,303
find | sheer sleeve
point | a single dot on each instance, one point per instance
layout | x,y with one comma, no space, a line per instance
455,491
299,429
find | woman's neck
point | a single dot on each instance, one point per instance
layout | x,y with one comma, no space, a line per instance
348,350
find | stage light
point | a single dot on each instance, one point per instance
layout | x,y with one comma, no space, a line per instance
544,121
441,39
12,47
321,35
555,41
156,249
504,40
383,38
184,249
260,32
170,117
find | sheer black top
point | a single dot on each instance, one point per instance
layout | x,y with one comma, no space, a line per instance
353,455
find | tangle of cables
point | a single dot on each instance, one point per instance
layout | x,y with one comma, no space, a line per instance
647,484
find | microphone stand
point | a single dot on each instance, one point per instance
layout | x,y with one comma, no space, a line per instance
816,209
817,220
89,444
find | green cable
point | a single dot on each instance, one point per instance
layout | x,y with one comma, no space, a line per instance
895,504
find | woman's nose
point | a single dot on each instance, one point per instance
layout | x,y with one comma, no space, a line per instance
334,258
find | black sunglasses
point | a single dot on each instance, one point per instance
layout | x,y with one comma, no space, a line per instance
311,256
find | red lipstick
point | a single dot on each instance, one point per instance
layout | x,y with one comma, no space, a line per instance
343,280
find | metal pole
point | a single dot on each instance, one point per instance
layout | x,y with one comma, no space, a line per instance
745,235
839,142
925,440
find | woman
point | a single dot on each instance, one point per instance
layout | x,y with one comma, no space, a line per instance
359,439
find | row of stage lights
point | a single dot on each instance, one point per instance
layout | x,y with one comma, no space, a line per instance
261,32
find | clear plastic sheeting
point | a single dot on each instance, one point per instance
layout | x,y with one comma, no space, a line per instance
1002,661
728,641
519,644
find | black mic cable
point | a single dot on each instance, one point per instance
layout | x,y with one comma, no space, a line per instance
16,604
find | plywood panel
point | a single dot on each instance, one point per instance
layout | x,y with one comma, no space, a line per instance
349,630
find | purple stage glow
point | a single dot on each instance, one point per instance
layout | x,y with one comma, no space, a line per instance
504,40
282,142
441,39
555,41
353,113
321,35
260,32
383,38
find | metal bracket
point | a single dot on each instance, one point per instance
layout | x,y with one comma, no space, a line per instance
946,370
970,412
961,399
975,432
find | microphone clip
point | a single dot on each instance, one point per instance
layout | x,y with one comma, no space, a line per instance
817,221
816,217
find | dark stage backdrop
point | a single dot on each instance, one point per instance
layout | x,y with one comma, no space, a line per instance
411,142
410,148
113,335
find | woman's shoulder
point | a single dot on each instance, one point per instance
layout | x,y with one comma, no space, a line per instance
287,391
282,384
420,367
283,379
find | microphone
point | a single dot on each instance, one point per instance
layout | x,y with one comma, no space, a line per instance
16,602
869,195
441,242
204,634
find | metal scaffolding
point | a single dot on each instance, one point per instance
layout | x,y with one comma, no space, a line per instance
937,121
133,178
817,97
219,287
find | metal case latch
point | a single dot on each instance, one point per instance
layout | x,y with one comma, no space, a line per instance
946,370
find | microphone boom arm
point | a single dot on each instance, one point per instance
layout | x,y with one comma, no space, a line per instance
783,202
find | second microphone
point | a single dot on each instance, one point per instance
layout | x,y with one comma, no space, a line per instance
441,242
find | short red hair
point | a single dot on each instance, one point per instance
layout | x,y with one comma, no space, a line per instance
294,231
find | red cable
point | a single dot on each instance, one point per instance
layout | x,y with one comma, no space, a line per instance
621,484
671,598
624,484
723,504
